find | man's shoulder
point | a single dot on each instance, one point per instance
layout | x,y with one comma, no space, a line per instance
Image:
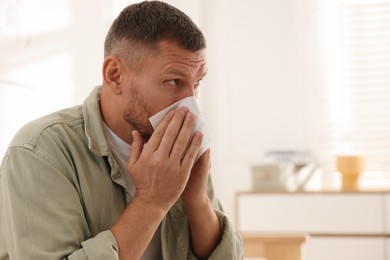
55,125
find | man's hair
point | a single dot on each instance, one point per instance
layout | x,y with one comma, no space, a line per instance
142,26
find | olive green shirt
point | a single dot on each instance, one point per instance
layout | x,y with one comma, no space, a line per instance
60,193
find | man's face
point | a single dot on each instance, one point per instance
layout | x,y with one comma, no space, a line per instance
167,76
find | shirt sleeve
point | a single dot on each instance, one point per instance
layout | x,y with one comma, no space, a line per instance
231,246
42,213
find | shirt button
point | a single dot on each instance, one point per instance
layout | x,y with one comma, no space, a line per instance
116,176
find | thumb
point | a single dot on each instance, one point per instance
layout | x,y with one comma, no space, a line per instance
136,147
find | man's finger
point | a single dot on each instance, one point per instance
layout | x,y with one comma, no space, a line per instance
184,137
173,130
155,139
192,152
136,147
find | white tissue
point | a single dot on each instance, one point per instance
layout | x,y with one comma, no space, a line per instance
200,126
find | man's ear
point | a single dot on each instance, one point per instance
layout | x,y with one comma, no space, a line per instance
112,74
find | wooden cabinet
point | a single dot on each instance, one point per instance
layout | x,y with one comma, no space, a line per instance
274,246
341,225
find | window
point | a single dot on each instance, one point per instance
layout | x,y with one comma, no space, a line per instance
355,54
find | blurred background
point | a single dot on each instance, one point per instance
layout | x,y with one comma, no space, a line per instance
285,78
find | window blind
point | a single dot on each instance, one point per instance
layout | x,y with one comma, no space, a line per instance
355,72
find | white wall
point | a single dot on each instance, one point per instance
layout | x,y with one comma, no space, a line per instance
258,93
51,55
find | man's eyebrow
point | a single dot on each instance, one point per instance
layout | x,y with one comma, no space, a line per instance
201,74
174,71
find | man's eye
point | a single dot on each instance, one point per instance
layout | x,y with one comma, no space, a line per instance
173,82
198,83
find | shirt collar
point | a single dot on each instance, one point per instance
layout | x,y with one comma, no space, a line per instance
94,131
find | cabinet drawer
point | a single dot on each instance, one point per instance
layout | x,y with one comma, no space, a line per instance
345,249
312,213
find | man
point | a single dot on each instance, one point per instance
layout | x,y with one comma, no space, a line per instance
73,187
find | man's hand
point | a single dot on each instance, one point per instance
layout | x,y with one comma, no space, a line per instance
160,169
201,215
196,189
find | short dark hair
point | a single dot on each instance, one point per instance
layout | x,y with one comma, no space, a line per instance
145,24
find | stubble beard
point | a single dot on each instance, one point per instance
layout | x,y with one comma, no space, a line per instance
137,115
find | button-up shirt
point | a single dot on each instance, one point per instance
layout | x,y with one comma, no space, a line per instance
59,195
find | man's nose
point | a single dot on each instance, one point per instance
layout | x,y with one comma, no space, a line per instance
188,92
